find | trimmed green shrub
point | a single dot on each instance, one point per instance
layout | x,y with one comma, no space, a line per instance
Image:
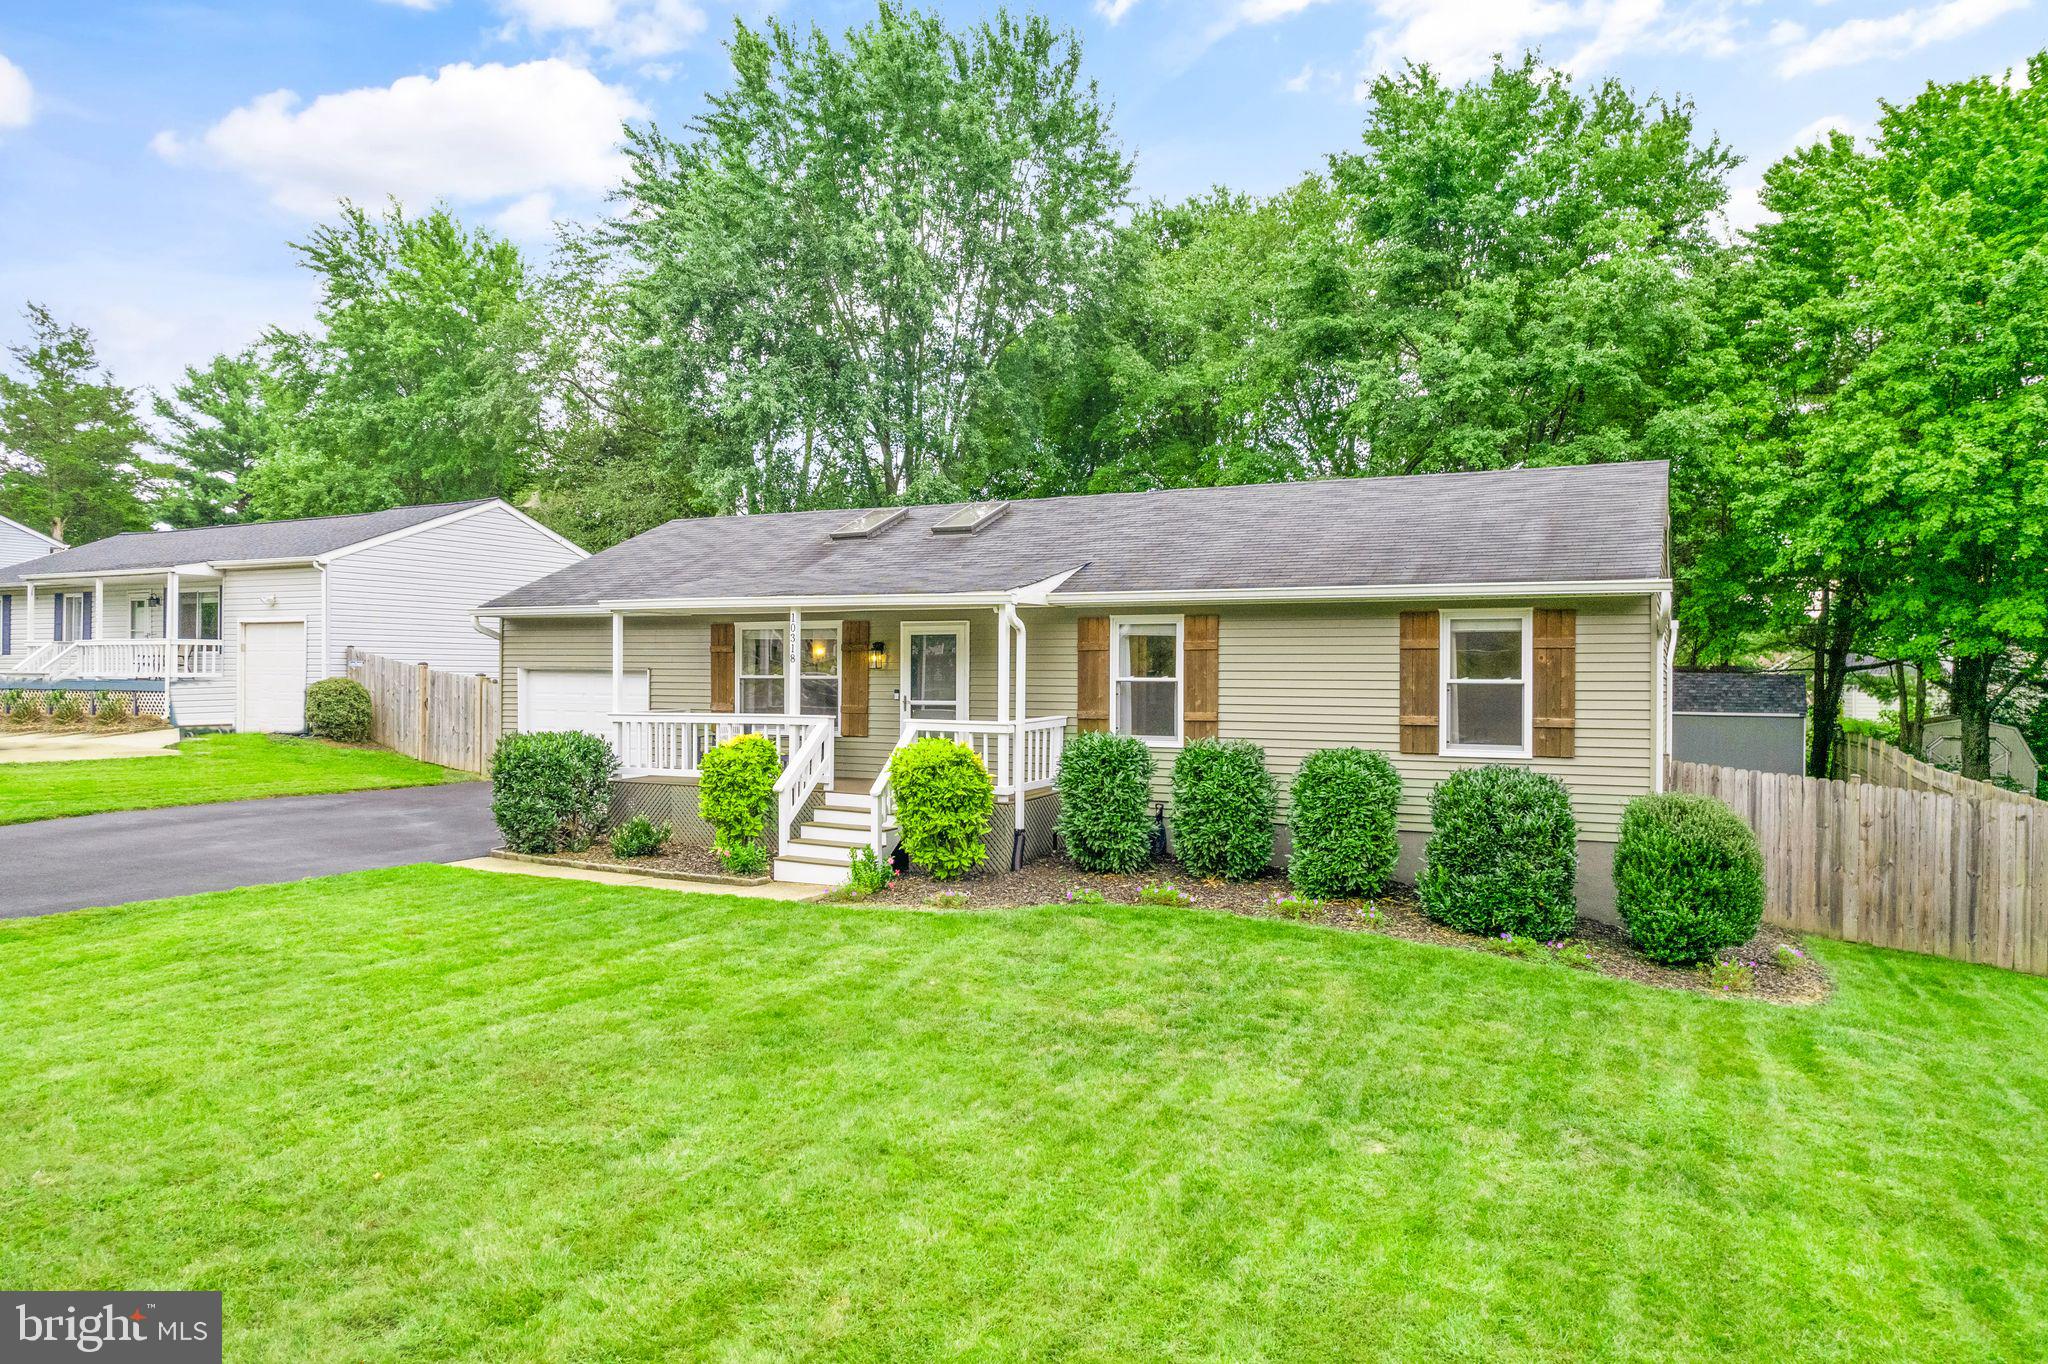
640,837
736,789
66,708
338,708
551,792
1688,877
1224,804
1340,823
745,859
944,803
1504,855
1105,782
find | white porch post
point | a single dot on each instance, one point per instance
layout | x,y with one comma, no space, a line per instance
618,662
30,628
99,608
792,667
170,641
1006,747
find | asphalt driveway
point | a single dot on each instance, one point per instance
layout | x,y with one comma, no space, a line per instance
58,864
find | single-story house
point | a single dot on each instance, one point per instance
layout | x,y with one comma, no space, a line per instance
225,626
1734,717
18,545
2011,758
1449,620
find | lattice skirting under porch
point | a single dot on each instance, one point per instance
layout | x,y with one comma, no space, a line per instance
131,700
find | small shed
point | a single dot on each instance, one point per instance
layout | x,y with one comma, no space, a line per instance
2011,759
1739,718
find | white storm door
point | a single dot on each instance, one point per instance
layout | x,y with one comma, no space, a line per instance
935,671
273,672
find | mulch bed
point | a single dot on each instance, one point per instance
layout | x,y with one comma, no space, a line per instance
132,724
1397,914
697,863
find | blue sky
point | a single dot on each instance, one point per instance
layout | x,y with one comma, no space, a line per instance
155,158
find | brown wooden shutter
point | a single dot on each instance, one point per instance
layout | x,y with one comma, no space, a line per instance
853,679
723,677
1557,682
1091,650
1419,658
1199,687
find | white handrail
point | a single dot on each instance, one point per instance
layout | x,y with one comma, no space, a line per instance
1022,756
673,743
808,766
123,658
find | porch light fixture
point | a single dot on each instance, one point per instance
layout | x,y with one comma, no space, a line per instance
818,650
878,654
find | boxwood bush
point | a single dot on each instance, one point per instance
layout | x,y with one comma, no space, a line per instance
1503,857
1688,877
1224,803
1105,782
736,789
338,708
1340,823
551,791
944,802
640,837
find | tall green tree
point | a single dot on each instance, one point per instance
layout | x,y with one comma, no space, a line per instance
213,428
70,441
837,255
418,384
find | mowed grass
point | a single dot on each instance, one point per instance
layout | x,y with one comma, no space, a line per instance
219,767
434,1114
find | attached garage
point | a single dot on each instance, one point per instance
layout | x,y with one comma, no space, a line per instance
566,698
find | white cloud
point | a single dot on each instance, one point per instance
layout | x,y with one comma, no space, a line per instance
629,29
1909,30
467,134
1300,80
1114,10
17,96
414,4
1821,127
529,218
1458,38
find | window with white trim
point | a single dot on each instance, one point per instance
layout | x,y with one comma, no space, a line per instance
1486,684
759,659
1145,678
818,671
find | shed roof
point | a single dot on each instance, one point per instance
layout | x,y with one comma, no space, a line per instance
1733,691
1589,523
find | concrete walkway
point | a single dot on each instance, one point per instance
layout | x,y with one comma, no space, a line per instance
115,859
774,890
71,748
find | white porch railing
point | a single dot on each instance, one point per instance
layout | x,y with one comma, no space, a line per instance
122,658
807,767
673,743
1021,756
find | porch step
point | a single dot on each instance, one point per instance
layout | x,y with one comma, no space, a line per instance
796,872
848,800
833,818
804,848
833,835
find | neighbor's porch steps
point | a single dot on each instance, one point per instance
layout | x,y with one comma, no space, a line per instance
822,851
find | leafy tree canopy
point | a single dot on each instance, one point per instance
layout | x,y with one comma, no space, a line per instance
70,442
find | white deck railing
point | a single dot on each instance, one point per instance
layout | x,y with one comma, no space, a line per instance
1021,756
129,659
673,743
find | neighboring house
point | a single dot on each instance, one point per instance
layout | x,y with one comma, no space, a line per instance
18,544
2011,758
258,611
1448,620
1738,718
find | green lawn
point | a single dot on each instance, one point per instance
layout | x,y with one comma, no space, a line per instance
221,767
433,1114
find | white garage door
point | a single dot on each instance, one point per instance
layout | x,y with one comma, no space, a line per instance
274,676
575,700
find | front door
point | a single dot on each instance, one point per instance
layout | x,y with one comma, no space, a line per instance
934,671
273,675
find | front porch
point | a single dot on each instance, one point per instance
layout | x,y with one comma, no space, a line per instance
806,684
114,632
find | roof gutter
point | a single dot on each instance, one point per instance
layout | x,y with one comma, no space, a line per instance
1613,587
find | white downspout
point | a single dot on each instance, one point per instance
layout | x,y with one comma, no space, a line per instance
326,614
1006,741
171,643
618,662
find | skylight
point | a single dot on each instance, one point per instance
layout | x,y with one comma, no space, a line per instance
969,518
869,523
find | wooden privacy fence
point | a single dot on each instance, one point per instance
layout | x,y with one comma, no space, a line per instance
1887,765
1960,874
446,718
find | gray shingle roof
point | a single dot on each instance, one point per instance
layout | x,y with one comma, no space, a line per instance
1603,522
1728,691
259,540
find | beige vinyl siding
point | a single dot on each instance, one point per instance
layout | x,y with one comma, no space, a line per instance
674,652
410,598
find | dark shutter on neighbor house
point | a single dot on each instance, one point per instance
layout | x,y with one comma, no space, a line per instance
1199,686
723,678
1419,660
1556,703
85,616
854,639
6,623
57,610
1091,649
